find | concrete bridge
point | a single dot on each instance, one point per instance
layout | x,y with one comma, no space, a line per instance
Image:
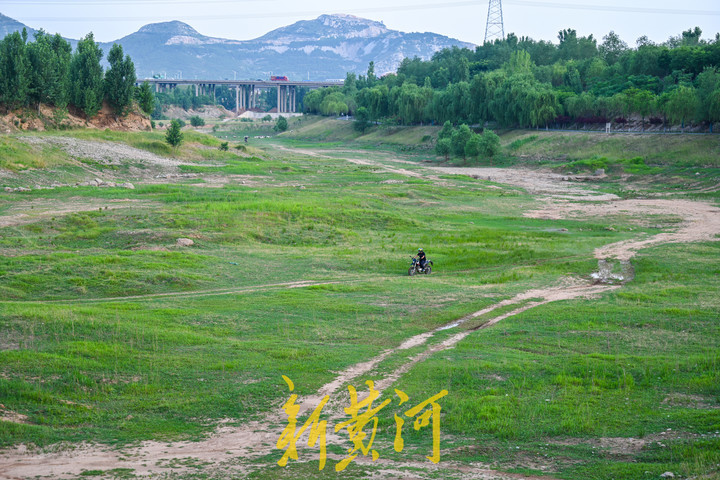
246,91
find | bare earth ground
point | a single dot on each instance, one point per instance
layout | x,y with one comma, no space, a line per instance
231,450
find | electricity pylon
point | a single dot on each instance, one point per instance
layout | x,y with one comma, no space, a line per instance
494,27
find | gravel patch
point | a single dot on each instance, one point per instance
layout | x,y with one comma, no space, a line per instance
109,153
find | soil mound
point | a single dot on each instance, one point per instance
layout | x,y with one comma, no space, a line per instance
45,117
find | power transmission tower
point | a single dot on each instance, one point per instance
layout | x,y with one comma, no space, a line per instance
494,27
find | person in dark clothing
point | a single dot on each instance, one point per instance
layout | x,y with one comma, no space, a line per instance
421,258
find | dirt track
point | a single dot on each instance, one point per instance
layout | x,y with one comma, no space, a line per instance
230,450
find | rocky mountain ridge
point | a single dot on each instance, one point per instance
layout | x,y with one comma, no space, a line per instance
324,48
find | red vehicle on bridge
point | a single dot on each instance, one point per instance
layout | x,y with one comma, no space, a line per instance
278,78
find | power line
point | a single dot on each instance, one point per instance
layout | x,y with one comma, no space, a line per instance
391,8
614,9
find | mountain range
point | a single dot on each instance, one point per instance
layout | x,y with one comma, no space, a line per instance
321,49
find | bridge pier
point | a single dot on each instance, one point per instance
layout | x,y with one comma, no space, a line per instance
246,91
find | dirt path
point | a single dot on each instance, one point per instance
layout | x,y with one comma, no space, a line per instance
190,294
232,451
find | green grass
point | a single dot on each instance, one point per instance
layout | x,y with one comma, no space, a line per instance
621,366
209,333
17,156
655,149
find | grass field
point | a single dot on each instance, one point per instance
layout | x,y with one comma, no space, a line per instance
112,334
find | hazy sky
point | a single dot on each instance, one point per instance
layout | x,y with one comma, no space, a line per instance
464,20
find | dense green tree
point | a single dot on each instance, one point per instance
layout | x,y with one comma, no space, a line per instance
641,102
14,70
708,82
174,135
459,139
489,144
281,124
619,105
612,48
49,67
312,100
713,111
546,107
86,76
145,98
473,147
379,102
443,147
119,80
519,62
582,105
371,78
446,131
362,119
334,104
411,103
681,105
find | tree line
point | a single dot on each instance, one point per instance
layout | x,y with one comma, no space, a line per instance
520,82
47,71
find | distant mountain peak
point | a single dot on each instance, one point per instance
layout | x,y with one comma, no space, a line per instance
9,25
337,25
345,19
174,27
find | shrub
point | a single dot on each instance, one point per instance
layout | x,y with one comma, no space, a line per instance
459,138
174,136
281,124
489,144
197,121
443,147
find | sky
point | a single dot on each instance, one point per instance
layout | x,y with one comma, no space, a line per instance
460,19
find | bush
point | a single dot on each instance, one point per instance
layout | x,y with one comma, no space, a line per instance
443,147
174,136
180,122
197,121
474,146
281,124
447,130
224,146
459,138
362,120
489,143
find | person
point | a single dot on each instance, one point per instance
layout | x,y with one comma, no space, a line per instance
421,258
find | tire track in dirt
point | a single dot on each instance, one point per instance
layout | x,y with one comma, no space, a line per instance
232,450
190,294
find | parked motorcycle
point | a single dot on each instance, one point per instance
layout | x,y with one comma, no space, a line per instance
415,267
